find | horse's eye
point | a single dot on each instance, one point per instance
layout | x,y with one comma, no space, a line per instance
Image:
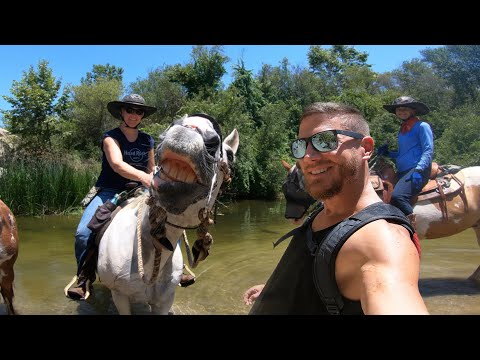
212,144
230,156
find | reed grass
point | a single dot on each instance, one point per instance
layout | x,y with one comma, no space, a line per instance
45,186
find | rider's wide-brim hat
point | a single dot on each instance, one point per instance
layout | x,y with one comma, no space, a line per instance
407,101
134,100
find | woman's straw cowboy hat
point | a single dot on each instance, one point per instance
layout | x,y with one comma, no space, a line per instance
132,100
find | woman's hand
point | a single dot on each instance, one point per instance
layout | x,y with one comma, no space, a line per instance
252,294
147,180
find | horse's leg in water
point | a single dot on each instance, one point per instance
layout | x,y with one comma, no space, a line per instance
168,282
6,288
8,255
122,303
166,287
476,275
163,307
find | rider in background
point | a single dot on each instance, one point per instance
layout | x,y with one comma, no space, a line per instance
415,152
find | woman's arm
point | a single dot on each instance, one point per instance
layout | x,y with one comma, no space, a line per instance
115,159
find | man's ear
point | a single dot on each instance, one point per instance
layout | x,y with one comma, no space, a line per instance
368,145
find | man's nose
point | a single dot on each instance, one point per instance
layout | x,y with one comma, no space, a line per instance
311,151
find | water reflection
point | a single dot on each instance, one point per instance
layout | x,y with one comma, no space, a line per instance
242,255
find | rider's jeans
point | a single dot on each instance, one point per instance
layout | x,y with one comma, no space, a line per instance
404,191
83,232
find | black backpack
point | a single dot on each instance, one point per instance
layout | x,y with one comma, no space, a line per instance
326,252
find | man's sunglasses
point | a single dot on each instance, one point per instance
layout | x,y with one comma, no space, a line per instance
131,110
323,141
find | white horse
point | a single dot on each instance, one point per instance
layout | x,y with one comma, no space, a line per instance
138,256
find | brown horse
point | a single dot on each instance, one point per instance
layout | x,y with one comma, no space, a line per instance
448,204
8,255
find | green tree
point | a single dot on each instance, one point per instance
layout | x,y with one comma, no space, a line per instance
370,106
203,75
272,142
167,96
361,78
385,82
104,72
361,91
330,64
460,147
417,79
248,87
276,82
459,65
294,86
37,108
89,117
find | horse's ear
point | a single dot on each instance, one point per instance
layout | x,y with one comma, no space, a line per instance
232,140
286,165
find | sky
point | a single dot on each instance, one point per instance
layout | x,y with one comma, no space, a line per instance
69,63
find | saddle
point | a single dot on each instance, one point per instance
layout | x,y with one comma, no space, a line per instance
86,273
445,185
383,188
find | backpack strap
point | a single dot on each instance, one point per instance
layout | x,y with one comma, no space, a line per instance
305,226
326,254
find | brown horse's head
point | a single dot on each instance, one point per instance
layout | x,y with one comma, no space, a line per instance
383,177
383,168
298,199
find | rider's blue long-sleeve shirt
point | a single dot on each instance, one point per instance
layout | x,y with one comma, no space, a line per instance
415,148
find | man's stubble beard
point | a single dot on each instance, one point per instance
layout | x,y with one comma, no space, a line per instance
348,175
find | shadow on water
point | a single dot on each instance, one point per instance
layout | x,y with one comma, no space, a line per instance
447,286
450,296
100,303
242,255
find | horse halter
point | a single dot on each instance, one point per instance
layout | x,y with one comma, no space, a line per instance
216,127
220,172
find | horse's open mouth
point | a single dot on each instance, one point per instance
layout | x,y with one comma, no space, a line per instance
177,169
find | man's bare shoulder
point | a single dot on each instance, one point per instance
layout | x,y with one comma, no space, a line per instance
377,252
378,239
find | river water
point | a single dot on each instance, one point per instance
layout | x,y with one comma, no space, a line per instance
242,255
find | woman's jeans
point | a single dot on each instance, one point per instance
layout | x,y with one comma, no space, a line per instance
404,190
83,232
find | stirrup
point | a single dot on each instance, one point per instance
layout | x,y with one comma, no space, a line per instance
81,292
187,279
65,289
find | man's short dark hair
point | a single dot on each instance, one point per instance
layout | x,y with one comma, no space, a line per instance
352,118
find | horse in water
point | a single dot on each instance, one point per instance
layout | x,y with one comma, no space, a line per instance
139,259
447,205
8,255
